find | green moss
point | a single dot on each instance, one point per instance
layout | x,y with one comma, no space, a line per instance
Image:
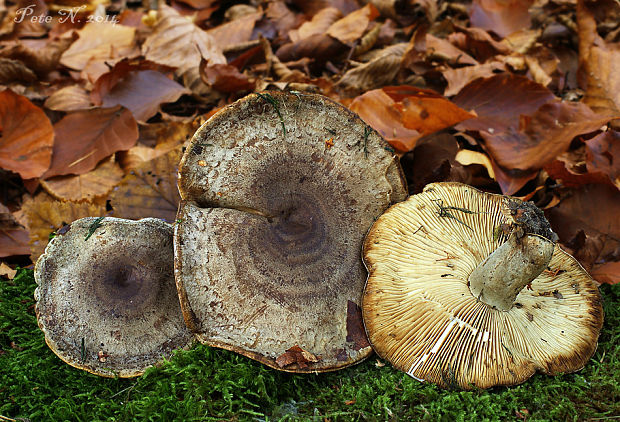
211,384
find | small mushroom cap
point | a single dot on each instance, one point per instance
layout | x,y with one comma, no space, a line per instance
106,297
269,236
421,316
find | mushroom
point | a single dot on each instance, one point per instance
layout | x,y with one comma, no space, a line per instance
468,289
106,298
278,192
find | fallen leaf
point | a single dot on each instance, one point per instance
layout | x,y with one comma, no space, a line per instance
14,71
593,210
440,49
459,77
425,110
6,271
500,100
355,327
45,215
558,171
377,109
69,98
598,62
95,183
177,42
468,157
41,60
83,138
156,139
14,242
225,78
376,73
279,17
150,190
430,161
235,32
349,402
296,355
26,136
478,43
142,92
352,27
603,155
320,23
607,273
320,47
501,16
99,41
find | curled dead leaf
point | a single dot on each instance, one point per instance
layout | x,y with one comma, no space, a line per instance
501,16
296,355
26,136
351,27
69,98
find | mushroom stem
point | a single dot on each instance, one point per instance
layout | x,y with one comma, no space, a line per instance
516,263
500,277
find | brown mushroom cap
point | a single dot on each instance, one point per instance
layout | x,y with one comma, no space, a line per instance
268,236
107,302
421,316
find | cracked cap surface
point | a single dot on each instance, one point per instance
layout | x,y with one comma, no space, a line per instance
277,200
106,298
421,316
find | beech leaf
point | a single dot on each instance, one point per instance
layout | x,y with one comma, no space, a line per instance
26,136
83,138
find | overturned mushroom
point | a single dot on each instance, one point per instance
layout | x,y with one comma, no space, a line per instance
106,297
467,289
279,190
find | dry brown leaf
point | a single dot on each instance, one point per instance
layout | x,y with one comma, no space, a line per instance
14,242
235,32
14,71
603,154
440,49
459,77
279,18
407,12
26,136
83,138
99,41
87,186
431,161
45,215
296,355
351,28
143,92
501,16
69,98
377,109
376,73
319,24
598,65
150,190
40,60
225,78
567,174
590,212
608,272
499,101
6,271
478,43
425,110
177,42
320,47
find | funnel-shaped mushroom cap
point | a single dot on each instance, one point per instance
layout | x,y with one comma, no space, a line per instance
279,192
421,316
106,297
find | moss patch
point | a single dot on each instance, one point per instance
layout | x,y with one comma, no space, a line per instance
207,384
